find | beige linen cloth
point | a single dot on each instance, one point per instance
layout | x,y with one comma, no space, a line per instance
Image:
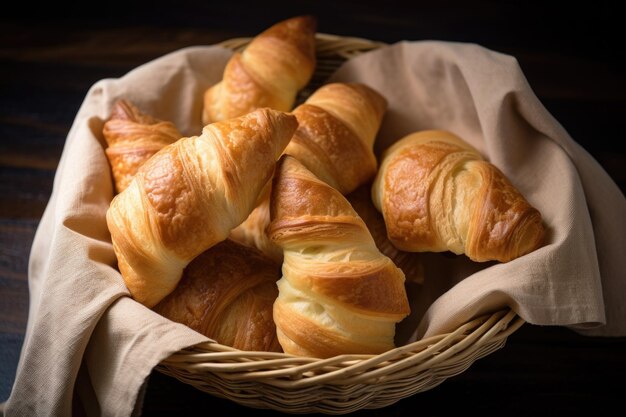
87,340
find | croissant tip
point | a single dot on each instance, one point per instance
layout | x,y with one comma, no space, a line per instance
287,162
283,124
280,115
121,102
375,97
304,22
534,234
125,109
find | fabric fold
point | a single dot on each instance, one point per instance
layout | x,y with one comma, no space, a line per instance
82,323
80,309
482,96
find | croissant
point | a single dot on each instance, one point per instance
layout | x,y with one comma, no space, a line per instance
269,73
337,126
227,293
188,197
409,262
252,232
338,293
133,137
437,193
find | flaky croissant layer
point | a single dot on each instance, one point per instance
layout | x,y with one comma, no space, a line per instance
189,195
268,73
132,138
227,293
338,293
337,126
436,193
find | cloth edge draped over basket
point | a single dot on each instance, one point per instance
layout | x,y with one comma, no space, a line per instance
511,127
80,311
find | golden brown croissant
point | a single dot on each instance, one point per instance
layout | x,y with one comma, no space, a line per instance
227,293
338,293
437,193
269,73
409,262
133,137
188,197
337,126
252,232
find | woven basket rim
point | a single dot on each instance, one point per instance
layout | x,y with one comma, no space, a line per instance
344,383
276,367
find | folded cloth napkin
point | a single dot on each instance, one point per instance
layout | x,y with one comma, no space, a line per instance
578,278
87,339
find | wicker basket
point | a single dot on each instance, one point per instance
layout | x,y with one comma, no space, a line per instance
345,383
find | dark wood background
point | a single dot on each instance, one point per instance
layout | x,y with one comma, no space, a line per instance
572,56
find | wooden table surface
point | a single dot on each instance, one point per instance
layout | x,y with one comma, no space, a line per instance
49,58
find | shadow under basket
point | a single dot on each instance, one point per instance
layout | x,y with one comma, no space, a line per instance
345,383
